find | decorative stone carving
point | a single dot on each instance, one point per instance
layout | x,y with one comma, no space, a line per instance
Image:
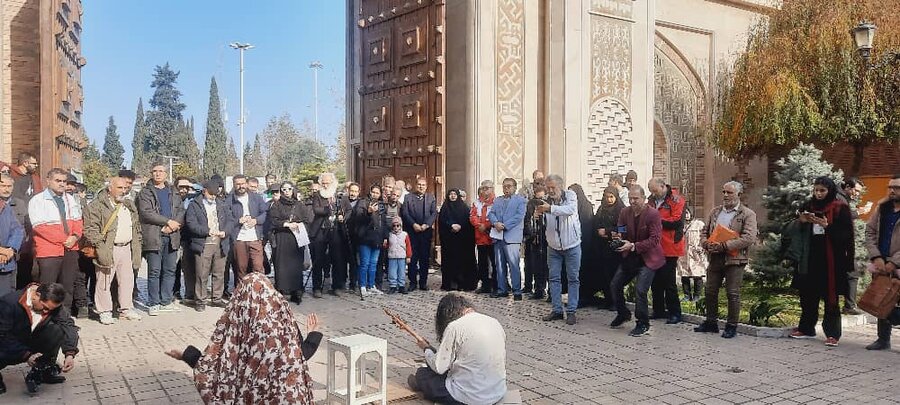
510,87
608,146
610,59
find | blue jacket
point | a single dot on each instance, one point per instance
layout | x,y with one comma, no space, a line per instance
511,212
198,226
11,234
258,210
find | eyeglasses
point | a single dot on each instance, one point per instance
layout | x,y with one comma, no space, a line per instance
396,226
286,190
894,187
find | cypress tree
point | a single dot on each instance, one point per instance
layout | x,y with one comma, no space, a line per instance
113,151
139,141
216,143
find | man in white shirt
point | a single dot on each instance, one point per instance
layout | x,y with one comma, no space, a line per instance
469,366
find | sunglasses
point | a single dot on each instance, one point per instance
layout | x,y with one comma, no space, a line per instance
396,226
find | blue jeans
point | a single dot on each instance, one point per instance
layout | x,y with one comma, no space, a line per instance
368,260
571,258
397,272
507,260
161,272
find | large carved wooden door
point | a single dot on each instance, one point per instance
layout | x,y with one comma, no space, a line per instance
402,93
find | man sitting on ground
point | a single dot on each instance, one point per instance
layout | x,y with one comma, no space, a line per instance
33,326
470,365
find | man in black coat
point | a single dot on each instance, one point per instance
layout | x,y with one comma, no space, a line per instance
37,341
209,224
418,212
328,243
348,229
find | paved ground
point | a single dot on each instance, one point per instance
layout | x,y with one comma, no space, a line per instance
550,363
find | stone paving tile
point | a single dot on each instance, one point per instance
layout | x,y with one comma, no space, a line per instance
551,363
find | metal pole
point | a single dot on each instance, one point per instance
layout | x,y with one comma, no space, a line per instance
315,66
241,119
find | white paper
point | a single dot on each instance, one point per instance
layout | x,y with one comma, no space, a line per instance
495,234
818,229
301,236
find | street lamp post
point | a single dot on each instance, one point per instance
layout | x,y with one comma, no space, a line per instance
242,47
171,166
316,66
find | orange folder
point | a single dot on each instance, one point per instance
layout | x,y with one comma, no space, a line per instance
721,234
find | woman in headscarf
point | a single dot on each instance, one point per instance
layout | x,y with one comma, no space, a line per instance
589,282
825,228
285,218
372,227
257,354
457,244
605,220
692,266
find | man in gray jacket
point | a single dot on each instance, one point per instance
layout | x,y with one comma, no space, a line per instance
564,245
161,214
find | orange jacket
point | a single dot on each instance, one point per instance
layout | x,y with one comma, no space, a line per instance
478,215
671,213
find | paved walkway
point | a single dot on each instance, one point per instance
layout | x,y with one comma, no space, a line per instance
551,363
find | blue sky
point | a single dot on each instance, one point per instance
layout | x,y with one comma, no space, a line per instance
124,39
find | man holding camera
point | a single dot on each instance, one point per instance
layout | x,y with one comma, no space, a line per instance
640,228
564,245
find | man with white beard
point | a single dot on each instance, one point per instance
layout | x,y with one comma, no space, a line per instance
327,243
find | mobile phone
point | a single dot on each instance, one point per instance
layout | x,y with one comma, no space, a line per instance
820,214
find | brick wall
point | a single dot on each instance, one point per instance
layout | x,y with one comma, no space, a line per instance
20,107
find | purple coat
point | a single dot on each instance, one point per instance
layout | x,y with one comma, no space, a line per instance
645,235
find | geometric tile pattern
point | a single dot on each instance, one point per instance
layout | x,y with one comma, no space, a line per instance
510,59
608,145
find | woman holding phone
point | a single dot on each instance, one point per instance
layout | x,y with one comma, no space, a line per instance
825,227
371,218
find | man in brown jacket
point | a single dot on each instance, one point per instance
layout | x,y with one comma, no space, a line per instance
113,228
883,247
727,259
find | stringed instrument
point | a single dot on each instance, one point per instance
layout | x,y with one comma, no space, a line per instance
396,320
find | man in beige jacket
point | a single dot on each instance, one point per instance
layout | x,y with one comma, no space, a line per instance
883,248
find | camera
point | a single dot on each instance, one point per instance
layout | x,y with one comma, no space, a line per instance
616,244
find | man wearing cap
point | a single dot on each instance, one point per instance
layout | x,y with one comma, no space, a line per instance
209,222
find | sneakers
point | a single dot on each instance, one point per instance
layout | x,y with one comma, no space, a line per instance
106,318
130,315
554,316
375,291
707,327
172,307
797,334
570,318
831,342
317,294
153,310
363,291
639,330
879,345
620,319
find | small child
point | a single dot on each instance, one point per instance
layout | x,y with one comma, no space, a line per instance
399,254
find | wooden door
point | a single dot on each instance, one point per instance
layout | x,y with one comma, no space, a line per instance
402,100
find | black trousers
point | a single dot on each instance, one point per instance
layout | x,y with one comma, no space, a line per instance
353,265
665,290
421,255
486,267
537,270
810,296
61,269
328,251
25,265
46,340
434,386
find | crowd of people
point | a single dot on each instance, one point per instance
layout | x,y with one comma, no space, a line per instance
61,254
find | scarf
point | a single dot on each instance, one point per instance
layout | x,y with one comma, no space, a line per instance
254,356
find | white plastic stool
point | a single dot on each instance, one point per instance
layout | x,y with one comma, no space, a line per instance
354,347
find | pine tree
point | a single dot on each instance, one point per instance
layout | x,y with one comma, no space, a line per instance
165,119
215,151
139,141
232,164
113,151
254,158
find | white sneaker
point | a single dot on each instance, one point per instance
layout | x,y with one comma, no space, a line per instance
153,310
375,291
363,291
130,315
106,318
172,307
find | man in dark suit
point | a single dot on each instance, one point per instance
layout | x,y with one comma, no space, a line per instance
418,213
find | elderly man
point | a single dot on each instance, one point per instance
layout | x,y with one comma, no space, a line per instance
469,366
418,214
329,248
12,234
34,326
639,230
400,186
484,245
210,224
616,181
162,215
112,227
563,234
248,214
671,212
507,220
883,247
24,258
57,225
728,259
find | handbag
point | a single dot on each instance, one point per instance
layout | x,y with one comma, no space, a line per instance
881,297
87,249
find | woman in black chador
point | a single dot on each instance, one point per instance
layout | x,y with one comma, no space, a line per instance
457,244
285,217
608,260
